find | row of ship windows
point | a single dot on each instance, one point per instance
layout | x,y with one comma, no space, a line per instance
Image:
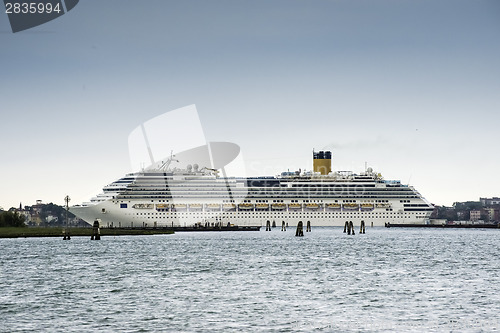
268,193
282,213
257,211
261,183
246,200
282,191
145,186
169,187
302,216
292,201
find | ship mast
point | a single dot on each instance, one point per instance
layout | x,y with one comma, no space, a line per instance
166,164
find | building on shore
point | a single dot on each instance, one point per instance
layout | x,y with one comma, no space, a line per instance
492,214
486,202
475,215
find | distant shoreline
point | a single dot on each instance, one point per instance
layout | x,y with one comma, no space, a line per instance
446,226
26,232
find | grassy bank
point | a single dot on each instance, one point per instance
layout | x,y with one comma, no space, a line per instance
11,232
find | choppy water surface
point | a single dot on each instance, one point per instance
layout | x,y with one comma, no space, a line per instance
386,280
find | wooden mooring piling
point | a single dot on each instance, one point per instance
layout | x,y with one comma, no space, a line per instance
299,232
96,232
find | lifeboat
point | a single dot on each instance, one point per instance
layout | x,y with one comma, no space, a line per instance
195,207
333,206
383,205
295,206
261,206
162,206
312,206
143,206
212,207
351,206
367,206
229,207
278,206
245,206
179,207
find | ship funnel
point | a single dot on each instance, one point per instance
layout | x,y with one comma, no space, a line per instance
322,162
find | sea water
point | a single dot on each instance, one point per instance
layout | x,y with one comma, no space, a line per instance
387,280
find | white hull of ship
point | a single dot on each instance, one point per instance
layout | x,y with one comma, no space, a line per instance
110,214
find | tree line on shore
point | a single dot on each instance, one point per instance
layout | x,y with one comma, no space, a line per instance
46,215
11,219
461,211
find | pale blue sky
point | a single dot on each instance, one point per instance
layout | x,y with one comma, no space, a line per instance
411,87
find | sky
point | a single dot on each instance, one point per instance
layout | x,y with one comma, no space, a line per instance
411,88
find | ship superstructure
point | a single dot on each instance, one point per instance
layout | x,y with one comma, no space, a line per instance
161,196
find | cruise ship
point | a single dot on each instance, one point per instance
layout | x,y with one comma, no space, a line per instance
193,194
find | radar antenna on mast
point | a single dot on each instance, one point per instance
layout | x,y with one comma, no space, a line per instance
166,164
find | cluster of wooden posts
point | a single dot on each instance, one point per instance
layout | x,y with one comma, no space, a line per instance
348,227
95,235
300,229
